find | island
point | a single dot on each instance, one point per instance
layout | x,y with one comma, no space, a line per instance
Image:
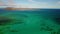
11,8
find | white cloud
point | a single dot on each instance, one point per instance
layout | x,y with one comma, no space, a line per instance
35,2
58,2
30,0
38,4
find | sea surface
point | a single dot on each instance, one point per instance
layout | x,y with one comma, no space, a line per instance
37,21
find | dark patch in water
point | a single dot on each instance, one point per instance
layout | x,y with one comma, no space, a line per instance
46,28
4,20
1,32
57,21
55,32
14,31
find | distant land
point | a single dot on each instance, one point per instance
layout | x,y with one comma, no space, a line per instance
10,8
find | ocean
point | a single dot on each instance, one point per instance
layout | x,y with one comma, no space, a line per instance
37,21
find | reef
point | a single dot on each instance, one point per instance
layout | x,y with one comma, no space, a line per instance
5,20
1,32
45,27
56,32
14,31
57,21
11,20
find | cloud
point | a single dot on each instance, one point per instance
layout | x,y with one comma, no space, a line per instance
30,0
1,4
58,2
35,2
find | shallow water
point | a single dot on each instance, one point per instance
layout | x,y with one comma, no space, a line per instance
39,21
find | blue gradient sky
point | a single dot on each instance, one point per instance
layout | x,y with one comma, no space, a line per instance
35,3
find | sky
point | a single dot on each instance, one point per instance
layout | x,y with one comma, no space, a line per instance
31,3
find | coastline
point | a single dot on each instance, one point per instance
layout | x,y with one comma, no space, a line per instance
10,8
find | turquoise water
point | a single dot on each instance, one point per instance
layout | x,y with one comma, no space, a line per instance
39,21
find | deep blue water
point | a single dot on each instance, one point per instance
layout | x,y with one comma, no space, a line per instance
43,12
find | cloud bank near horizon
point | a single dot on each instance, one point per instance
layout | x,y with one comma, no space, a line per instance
33,3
